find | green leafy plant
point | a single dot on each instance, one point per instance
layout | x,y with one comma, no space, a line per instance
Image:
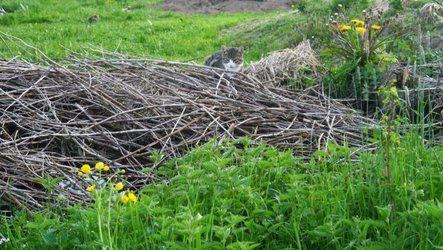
48,183
388,121
358,49
236,194
396,4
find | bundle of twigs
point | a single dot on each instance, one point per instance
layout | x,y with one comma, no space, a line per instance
53,119
296,64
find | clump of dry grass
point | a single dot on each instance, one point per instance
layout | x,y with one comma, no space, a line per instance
280,67
432,12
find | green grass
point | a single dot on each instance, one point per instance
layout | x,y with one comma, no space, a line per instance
263,35
242,196
144,31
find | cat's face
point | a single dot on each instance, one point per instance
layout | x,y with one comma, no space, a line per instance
233,58
234,54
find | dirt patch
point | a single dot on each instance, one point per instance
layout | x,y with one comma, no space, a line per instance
216,6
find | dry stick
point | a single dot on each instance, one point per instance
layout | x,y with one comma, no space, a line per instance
22,94
173,128
155,142
331,128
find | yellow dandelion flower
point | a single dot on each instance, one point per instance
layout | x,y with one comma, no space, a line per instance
360,30
99,165
124,199
122,171
375,27
85,168
106,168
119,186
132,197
358,22
91,188
344,27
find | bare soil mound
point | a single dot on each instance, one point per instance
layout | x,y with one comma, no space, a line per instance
215,6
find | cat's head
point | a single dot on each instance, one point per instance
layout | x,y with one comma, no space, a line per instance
232,58
233,53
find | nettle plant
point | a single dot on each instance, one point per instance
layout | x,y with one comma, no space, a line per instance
358,56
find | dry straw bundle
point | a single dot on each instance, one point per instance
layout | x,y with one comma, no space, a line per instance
53,119
295,64
432,12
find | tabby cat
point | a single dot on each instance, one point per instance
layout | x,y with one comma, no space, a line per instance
94,19
227,58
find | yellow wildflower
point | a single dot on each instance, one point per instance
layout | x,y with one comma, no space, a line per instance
123,171
119,186
132,197
375,27
99,165
344,27
91,188
85,168
124,199
106,168
360,30
358,22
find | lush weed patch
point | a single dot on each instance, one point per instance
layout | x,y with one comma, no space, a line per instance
237,195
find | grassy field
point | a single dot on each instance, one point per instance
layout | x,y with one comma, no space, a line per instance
55,27
233,195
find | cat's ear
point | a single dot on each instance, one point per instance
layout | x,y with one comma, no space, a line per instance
241,49
224,47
